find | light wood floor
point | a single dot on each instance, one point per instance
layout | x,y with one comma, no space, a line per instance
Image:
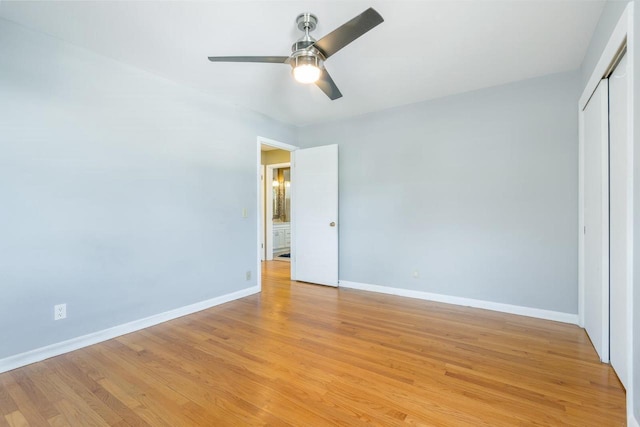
305,355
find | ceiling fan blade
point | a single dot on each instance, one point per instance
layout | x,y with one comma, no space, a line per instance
345,34
326,84
268,59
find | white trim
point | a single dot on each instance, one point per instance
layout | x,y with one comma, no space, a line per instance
631,64
263,215
448,299
293,222
581,219
606,248
276,144
42,353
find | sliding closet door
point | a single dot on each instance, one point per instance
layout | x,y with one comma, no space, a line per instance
620,217
596,220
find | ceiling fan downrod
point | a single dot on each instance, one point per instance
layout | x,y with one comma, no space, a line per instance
306,22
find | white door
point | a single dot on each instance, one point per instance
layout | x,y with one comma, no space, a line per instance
315,219
620,226
596,220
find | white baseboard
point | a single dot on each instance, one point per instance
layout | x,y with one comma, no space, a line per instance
42,353
487,305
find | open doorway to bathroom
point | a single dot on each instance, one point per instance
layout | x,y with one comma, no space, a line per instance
275,189
276,206
278,212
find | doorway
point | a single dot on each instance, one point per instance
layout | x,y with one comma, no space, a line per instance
274,156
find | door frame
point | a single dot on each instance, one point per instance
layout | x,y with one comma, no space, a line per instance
621,37
269,208
260,140
263,214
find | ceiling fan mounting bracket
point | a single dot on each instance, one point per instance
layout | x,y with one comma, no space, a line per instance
307,21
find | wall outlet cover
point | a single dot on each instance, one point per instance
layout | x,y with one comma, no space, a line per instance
59,311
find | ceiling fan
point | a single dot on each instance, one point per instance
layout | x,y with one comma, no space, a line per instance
308,54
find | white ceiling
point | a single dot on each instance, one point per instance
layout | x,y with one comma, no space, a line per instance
423,50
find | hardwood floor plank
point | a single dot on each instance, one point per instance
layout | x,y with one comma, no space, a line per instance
138,389
45,407
58,421
16,419
7,404
302,354
27,409
78,415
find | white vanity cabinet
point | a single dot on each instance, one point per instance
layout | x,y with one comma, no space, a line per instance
281,237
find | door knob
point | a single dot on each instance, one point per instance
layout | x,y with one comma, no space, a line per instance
332,224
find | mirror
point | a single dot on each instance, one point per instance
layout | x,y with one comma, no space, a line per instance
281,194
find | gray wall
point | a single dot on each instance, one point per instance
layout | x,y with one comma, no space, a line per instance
121,193
478,192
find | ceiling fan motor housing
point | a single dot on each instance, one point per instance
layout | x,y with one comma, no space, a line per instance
307,57
303,51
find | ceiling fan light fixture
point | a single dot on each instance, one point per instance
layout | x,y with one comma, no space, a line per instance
306,68
306,73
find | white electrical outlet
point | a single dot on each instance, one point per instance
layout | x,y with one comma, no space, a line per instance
59,311
248,275
245,213
416,274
